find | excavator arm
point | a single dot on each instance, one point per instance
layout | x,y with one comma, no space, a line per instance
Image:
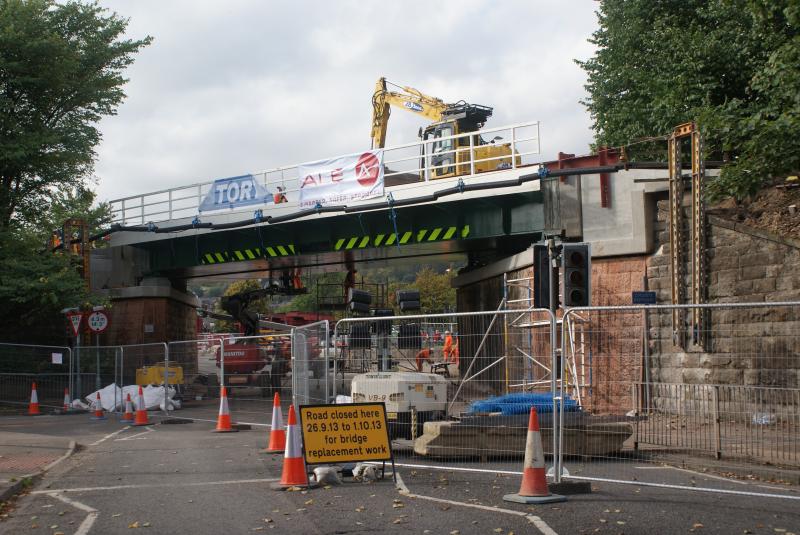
410,99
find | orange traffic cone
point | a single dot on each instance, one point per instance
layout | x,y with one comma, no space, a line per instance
33,407
224,419
277,434
67,402
534,484
127,417
294,468
97,410
141,410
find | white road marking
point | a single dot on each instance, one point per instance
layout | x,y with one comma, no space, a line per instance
134,437
698,474
540,524
158,485
115,433
685,487
87,523
214,421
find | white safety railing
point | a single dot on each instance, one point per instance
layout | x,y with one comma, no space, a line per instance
402,163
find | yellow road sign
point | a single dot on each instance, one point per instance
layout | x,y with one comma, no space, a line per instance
350,432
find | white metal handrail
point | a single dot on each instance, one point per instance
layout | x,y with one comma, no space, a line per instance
409,158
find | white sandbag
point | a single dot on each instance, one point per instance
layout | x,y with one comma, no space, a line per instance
110,397
340,399
78,404
154,396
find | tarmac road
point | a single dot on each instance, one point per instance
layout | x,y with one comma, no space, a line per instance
185,479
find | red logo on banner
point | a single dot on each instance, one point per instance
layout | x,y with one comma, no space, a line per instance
367,169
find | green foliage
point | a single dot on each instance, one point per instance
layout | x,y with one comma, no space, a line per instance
60,72
35,285
435,292
731,65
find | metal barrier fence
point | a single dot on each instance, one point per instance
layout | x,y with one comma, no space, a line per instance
22,364
254,368
451,413
311,382
649,403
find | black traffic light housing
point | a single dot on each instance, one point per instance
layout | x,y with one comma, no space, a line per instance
542,273
576,264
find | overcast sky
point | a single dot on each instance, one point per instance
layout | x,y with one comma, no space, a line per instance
239,86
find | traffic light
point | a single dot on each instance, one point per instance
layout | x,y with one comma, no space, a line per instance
577,267
541,277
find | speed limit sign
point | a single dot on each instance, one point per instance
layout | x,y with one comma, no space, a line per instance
97,321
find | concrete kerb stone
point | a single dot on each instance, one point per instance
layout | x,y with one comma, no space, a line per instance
19,485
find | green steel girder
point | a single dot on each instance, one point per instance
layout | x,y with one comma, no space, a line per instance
472,219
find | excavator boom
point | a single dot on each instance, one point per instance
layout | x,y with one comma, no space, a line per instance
415,101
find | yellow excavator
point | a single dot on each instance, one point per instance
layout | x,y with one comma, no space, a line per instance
447,157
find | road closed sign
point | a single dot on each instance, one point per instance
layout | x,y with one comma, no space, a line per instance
352,432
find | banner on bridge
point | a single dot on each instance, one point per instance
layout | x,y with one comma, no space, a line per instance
234,192
341,180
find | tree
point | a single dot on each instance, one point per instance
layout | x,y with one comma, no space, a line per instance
60,72
731,65
435,292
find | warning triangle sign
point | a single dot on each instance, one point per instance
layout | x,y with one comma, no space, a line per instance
75,322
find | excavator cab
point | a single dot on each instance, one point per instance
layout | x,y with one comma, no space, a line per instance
448,157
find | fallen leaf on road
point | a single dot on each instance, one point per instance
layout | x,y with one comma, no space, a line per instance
400,521
134,525
398,505
146,525
34,526
359,523
46,506
360,509
444,507
697,525
54,526
259,528
301,509
498,530
326,487
603,520
309,502
455,532
293,489
61,513
621,522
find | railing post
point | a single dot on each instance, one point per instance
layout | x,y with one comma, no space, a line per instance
169,193
513,147
717,430
471,155
123,211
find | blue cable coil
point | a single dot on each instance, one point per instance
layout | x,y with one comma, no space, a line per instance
511,404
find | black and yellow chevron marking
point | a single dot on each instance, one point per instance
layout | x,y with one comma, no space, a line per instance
385,240
270,251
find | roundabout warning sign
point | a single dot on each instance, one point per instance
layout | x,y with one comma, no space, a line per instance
334,434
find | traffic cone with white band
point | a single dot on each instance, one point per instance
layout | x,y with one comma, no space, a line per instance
67,402
277,434
97,409
224,418
33,407
141,410
294,468
534,483
127,416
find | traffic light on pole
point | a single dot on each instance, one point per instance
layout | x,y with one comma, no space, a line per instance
577,266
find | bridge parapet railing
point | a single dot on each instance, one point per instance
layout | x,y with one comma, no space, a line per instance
415,162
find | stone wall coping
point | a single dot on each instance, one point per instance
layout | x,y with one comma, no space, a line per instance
751,231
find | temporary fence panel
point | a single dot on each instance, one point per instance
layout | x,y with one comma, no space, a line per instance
310,364
50,367
459,399
648,405
95,367
253,369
